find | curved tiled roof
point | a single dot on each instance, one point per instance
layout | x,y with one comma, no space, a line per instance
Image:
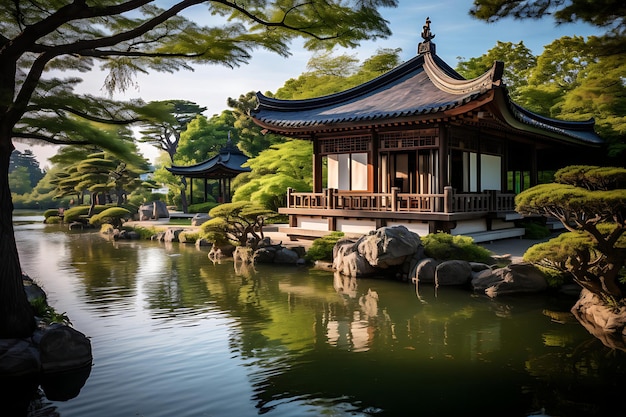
421,87
228,163
404,91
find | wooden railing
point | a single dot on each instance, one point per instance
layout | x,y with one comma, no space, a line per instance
448,202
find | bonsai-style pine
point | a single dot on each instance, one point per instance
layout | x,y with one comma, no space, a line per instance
591,203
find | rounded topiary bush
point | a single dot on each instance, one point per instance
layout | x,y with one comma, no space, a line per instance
50,213
75,213
444,246
322,248
112,215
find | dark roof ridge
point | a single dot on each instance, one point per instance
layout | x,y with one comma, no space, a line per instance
362,89
570,124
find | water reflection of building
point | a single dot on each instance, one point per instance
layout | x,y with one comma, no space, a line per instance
353,332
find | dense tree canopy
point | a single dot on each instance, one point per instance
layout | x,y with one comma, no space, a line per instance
518,61
164,121
608,14
251,139
282,166
28,162
330,74
126,38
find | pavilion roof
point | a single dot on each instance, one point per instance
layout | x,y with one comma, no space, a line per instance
423,89
226,164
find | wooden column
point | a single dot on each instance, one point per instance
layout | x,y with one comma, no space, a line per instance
317,167
444,179
373,164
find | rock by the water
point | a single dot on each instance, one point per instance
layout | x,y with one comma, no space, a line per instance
603,322
424,271
18,357
520,277
389,246
62,347
171,234
382,249
286,256
199,219
454,272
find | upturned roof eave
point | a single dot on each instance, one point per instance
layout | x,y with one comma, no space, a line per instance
519,118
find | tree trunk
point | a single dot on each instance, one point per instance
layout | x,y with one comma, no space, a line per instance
16,315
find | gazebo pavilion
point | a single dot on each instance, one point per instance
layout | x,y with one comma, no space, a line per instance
223,167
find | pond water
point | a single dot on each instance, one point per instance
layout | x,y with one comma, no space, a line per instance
174,334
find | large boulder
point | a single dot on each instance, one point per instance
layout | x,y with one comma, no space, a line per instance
153,211
604,322
171,234
522,277
199,218
376,252
424,271
286,256
454,272
389,246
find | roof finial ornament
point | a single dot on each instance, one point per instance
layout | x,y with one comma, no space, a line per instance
427,45
426,34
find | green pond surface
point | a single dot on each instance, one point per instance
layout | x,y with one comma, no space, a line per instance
174,334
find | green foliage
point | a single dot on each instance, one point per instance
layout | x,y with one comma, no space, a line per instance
204,138
591,202
26,163
189,236
250,138
144,233
273,171
73,213
331,74
50,212
164,121
322,248
518,61
202,207
239,223
444,246
48,314
52,220
112,215
534,230
19,180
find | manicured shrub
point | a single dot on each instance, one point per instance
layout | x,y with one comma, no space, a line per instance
201,207
112,215
444,246
189,236
322,248
74,213
50,212
52,220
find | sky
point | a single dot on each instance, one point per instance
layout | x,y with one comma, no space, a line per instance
457,34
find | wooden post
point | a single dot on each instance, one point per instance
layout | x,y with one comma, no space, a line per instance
289,191
394,198
330,199
448,199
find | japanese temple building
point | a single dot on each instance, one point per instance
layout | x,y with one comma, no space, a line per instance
223,167
423,147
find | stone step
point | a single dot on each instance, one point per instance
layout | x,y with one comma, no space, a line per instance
491,235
